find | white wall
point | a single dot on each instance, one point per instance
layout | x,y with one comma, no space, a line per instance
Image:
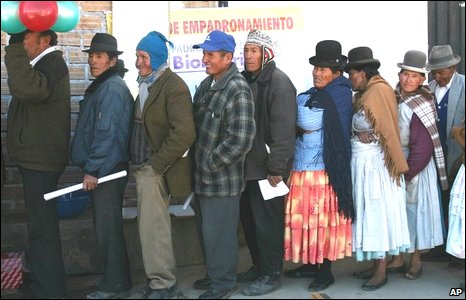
133,20
389,28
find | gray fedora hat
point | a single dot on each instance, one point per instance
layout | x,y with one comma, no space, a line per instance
103,42
441,57
414,61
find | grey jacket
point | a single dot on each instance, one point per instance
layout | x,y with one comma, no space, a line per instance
455,115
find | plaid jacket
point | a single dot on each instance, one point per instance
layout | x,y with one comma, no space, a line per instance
225,128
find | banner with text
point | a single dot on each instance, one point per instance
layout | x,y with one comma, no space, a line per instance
191,26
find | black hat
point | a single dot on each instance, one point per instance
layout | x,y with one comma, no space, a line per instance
103,42
361,56
328,54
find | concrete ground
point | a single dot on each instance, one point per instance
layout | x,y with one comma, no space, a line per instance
435,283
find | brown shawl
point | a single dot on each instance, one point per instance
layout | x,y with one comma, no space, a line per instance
379,103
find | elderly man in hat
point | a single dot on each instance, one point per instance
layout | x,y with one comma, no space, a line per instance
38,135
417,120
100,147
449,89
224,117
270,158
163,131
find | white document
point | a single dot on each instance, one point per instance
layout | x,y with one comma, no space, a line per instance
269,192
179,211
188,200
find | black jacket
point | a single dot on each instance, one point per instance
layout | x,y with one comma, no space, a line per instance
273,146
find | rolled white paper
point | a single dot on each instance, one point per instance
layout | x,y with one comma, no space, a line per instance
188,200
79,186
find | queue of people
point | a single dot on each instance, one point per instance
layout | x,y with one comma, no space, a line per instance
364,171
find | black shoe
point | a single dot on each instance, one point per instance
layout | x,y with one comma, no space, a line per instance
249,276
263,285
202,284
167,293
436,254
374,286
316,285
214,294
306,270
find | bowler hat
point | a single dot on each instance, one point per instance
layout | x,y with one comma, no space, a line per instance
414,61
218,40
328,54
360,56
441,57
103,42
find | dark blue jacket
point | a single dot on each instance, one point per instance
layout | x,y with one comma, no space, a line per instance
102,135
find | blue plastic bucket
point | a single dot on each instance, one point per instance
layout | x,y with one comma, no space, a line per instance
72,204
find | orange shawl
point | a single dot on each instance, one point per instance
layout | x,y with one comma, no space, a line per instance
379,103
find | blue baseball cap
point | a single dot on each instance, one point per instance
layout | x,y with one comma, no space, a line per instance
218,40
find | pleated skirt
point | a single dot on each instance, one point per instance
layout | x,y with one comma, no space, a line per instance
314,229
381,225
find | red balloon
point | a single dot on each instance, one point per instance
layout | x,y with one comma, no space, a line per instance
38,15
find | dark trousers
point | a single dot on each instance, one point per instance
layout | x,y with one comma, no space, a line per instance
263,226
217,221
107,201
43,250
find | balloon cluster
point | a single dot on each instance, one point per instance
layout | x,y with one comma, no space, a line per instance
59,16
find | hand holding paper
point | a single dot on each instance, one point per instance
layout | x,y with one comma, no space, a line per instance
269,192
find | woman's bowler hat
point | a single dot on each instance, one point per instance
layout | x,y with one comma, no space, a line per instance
414,61
328,54
360,56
